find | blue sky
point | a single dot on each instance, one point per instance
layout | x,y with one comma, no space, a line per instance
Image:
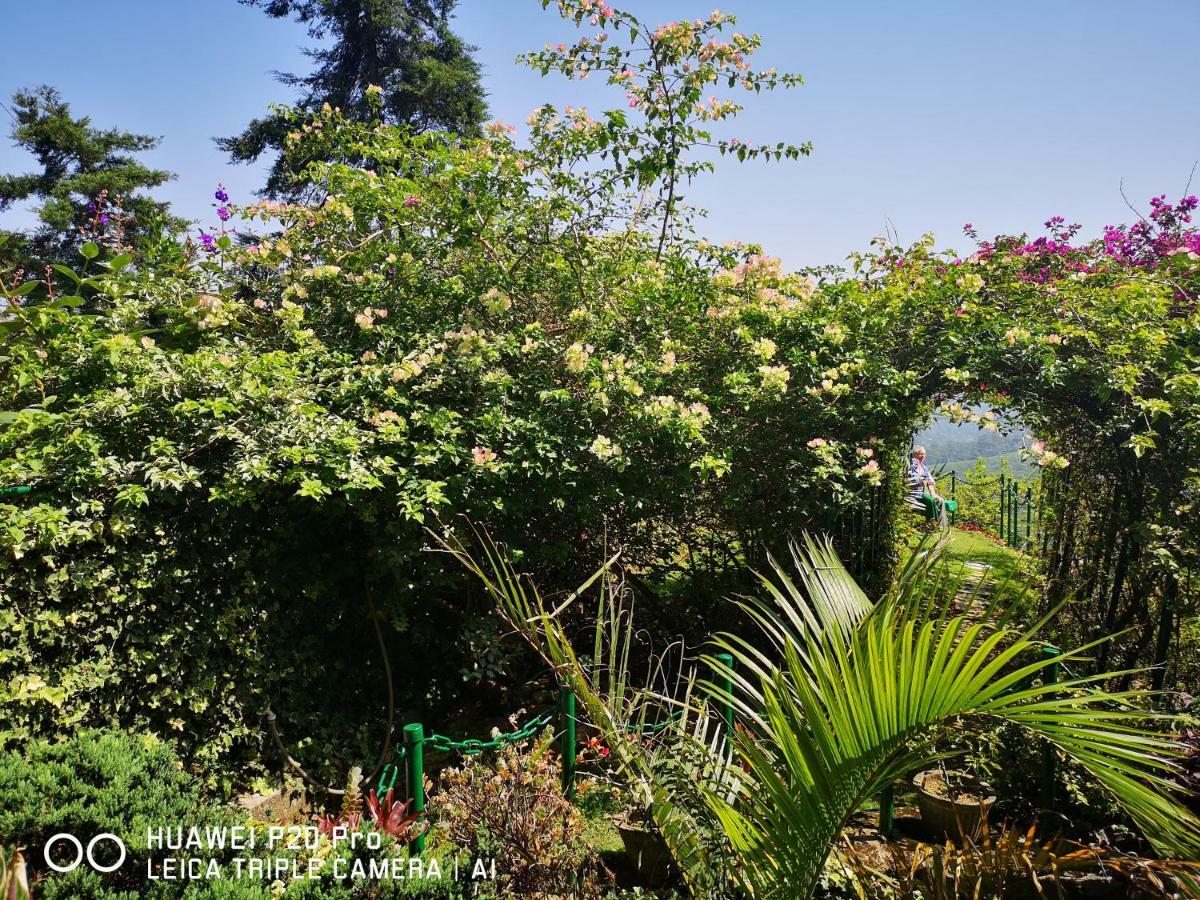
925,115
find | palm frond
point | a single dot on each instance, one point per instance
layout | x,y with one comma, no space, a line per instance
839,700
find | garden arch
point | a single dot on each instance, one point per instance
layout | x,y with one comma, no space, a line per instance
1100,360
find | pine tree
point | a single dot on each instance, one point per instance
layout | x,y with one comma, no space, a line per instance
405,47
88,180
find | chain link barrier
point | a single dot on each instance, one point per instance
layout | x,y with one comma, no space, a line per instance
474,746
409,756
467,746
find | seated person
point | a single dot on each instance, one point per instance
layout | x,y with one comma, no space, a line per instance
922,489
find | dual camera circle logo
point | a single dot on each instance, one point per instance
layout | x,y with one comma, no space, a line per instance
80,852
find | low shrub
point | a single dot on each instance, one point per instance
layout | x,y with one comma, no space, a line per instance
511,808
107,781
99,781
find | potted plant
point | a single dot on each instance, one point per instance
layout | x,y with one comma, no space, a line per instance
953,804
645,848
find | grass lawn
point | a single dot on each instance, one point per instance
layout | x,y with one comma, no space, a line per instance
974,546
1017,575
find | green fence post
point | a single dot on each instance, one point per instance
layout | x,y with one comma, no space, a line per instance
1049,757
1003,500
566,698
414,754
887,811
726,681
1029,516
1014,513
1014,500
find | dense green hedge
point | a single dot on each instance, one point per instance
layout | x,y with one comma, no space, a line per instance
235,449
96,783
230,460
111,782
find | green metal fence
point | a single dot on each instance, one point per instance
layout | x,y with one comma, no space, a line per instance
410,753
1011,508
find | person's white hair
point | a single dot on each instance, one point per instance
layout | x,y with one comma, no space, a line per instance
917,450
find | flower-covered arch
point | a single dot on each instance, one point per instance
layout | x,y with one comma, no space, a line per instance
1095,346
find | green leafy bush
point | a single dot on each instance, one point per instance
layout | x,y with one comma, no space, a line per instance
233,456
97,782
234,451
512,809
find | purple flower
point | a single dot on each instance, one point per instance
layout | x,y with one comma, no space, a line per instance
103,218
208,242
223,213
221,194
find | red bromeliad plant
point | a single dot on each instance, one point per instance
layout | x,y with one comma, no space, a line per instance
385,814
393,817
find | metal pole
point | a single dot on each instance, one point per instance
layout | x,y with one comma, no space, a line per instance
1029,516
1003,500
566,698
1012,514
887,811
1014,500
414,754
725,678
1049,757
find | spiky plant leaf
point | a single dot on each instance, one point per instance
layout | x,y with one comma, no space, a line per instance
839,701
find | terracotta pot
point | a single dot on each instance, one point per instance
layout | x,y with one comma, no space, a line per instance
953,818
647,852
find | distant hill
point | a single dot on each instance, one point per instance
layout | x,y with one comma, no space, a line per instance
950,445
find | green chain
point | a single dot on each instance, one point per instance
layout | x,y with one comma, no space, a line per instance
473,746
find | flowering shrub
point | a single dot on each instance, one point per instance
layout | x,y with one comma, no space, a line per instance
231,449
512,808
1095,346
234,445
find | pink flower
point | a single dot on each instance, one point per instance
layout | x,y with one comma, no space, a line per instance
412,201
481,456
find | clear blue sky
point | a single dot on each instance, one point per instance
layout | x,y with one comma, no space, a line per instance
926,114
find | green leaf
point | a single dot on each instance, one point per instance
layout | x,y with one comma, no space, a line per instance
65,270
89,250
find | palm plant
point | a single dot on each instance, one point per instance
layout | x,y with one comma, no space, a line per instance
843,698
